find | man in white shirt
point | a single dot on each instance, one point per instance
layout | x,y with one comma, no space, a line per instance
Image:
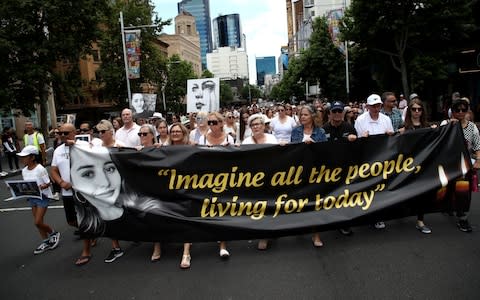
128,133
373,122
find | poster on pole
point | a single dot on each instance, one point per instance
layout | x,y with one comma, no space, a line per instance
132,45
334,18
203,95
143,105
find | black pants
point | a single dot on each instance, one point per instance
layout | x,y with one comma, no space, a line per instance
12,156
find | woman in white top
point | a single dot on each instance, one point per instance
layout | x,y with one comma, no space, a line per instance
257,124
201,129
230,127
34,171
282,125
162,129
216,135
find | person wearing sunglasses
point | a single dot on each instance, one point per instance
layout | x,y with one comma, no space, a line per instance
416,118
282,125
390,110
471,135
230,127
257,124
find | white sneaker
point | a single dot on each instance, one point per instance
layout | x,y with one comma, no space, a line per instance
56,196
3,173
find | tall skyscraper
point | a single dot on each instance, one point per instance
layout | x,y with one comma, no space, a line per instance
265,65
200,9
227,32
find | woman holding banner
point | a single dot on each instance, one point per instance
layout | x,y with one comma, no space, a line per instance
179,136
309,132
471,135
415,119
257,123
216,136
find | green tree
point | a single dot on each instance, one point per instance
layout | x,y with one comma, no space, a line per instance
178,72
207,74
34,36
111,73
406,29
250,90
226,94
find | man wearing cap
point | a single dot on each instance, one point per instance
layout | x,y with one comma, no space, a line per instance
337,129
128,133
389,109
373,122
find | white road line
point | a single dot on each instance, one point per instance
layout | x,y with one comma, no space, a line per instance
26,208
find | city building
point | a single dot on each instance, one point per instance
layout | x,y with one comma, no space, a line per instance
228,63
227,32
185,42
300,15
282,62
200,9
265,65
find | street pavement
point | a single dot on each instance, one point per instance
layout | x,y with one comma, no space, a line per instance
396,263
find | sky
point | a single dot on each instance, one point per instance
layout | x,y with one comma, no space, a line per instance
264,22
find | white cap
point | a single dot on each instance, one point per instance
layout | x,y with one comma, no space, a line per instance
374,99
28,150
157,115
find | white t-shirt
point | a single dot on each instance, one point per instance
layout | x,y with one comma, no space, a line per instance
204,141
61,160
129,137
271,139
365,123
283,131
40,175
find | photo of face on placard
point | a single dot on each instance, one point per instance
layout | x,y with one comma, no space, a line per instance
203,95
143,105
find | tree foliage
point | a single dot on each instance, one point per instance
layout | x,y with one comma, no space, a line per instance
34,35
410,37
178,72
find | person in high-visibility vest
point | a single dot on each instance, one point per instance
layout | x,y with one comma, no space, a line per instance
35,138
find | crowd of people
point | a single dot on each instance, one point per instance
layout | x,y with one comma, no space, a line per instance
278,124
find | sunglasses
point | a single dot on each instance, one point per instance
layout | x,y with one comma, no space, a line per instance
84,130
230,117
460,110
212,122
143,133
65,133
417,109
337,111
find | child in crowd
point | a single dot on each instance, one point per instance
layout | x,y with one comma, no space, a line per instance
34,171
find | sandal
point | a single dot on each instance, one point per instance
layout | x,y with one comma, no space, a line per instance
317,242
155,257
83,260
185,264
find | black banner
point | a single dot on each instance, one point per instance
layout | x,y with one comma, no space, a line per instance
192,193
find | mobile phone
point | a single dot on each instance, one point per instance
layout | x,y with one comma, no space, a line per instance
82,137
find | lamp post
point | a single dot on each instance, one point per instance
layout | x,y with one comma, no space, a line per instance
122,32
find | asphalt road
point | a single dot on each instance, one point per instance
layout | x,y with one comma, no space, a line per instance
396,263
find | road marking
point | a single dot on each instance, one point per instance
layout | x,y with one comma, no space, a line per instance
25,208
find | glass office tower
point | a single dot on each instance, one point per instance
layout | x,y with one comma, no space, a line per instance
265,65
227,32
200,9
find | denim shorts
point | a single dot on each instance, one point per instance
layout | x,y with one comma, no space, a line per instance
39,202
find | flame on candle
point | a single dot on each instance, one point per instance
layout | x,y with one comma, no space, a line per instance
442,176
463,165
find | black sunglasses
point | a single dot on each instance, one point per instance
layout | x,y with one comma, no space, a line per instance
64,133
143,133
212,122
417,109
463,110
